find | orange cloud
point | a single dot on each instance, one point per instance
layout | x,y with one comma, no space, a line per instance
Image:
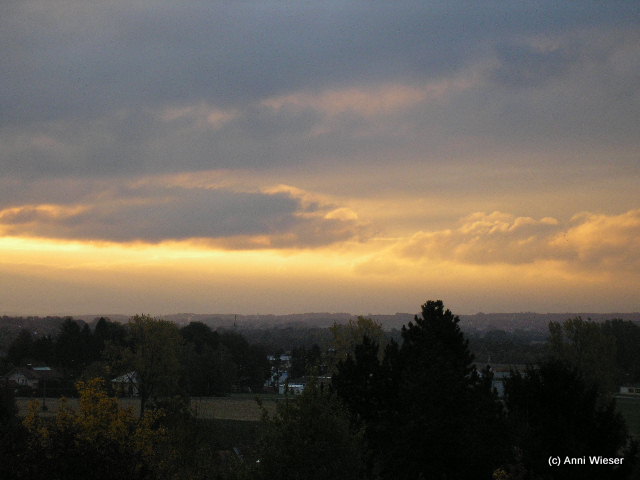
602,241
587,241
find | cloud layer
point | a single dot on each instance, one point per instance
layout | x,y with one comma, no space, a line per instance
370,138
116,88
588,241
143,212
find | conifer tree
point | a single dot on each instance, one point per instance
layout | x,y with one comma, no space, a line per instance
434,415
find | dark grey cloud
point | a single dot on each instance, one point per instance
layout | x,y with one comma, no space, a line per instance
152,213
88,57
85,85
523,66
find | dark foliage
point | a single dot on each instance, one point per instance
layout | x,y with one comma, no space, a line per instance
21,349
253,366
554,411
307,361
499,346
73,350
427,413
13,438
310,437
627,335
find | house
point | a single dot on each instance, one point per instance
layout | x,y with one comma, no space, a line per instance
630,390
280,367
296,386
283,358
276,379
126,385
23,377
501,372
31,377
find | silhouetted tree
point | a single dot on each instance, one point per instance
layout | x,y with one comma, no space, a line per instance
253,366
200,335
43,350
208,371
554,411
307,361
73,347
13,439
310,437
107,333
585,345
154,354
427,412
347,336
627,335
21,348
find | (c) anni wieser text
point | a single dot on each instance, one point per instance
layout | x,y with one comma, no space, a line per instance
585,460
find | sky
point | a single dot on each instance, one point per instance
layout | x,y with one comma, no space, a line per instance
302,156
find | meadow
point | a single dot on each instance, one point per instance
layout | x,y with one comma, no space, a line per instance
244,408
629,407
238,407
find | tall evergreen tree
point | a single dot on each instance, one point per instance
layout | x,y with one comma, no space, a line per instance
21,349
555,411
107,333
72,349
430,414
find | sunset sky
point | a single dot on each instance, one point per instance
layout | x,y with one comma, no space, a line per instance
319,156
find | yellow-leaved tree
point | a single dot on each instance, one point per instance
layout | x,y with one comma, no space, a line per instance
99,439
347,336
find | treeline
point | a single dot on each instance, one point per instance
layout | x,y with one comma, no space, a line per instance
419,409
204,362
412,407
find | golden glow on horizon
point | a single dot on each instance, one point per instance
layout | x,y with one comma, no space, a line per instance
184,276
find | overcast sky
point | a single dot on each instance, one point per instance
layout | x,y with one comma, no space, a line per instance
292,156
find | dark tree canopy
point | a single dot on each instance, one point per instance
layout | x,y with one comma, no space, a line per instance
627,335
73,350
201,336
310,437
554,411
21,349
209,369
427,412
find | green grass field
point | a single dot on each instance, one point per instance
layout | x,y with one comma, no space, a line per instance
629,407
229,412
241,407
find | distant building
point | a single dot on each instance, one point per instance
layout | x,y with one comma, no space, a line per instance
30,377
23,377
283,358
294,388
630,390
501,372
297,385
280,367
126,385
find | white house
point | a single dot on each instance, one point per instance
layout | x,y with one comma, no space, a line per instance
295,388
23,377
126,384
630,390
